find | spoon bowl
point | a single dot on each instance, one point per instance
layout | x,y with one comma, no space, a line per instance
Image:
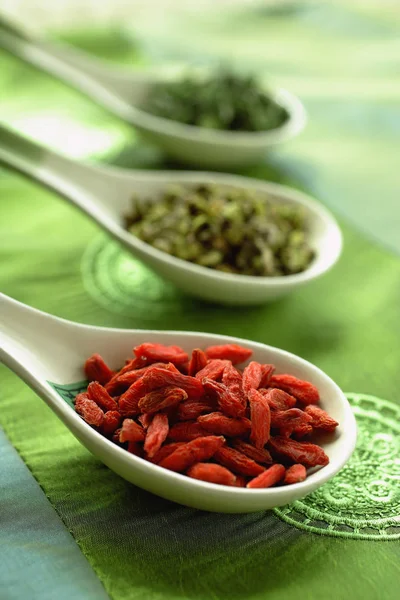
48,353
124,93
106,195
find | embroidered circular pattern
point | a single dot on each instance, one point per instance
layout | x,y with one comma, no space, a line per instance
122,284
363,500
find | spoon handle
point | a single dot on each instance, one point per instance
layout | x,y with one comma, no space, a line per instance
70,66
78,183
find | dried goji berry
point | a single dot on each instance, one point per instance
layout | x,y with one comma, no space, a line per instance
186,431
289,421
136,449
270,477
99,394
259,455
305,453
90,412
295,474
278,399
157,377
165,451
97,370
145,420
320,418
156,434
228,402
211,473
218,423
237,462
304,391
233,352
159,399
252,376
301,431
267,372
260,416
197,450
131,432
129,401
111,422
161,353
233,381
122,381
191,409
213,370
241,481
197,362
115,437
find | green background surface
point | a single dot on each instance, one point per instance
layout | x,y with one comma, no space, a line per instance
342,64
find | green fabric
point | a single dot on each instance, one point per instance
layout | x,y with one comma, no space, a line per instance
347,323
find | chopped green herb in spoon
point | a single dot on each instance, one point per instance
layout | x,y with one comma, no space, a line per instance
231,230
224,101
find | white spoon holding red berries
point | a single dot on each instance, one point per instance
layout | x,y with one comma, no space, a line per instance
44,351
105,194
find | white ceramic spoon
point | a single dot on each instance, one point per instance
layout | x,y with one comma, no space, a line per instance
105,194
40,348
124,93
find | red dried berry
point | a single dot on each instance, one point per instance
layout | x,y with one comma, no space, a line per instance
278,399
165,451
237,462
304,391
260,416
259,455
229,403
197,362
161,353
122,381
305,453
157,377
111,422
97,370
218,423
295,474
160,399
269,478
252,376
136,449
186,431
267,372
115,437
233,352
131,432
212,370
197,450
241,481
290,421
233,381
211,473
320,419
89,411
191,409
145,420
156,434
99,394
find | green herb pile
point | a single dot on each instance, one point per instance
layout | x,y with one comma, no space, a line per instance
224,101
231,230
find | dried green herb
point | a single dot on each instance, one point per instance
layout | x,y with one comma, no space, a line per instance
231,230
225,101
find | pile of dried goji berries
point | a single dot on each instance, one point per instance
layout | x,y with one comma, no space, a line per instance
205,417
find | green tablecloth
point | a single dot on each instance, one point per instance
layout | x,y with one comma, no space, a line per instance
343,540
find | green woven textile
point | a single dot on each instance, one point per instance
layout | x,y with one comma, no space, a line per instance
342,541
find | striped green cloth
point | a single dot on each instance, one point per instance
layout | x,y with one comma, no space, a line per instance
342,541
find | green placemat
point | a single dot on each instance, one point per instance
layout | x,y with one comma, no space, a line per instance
340,542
